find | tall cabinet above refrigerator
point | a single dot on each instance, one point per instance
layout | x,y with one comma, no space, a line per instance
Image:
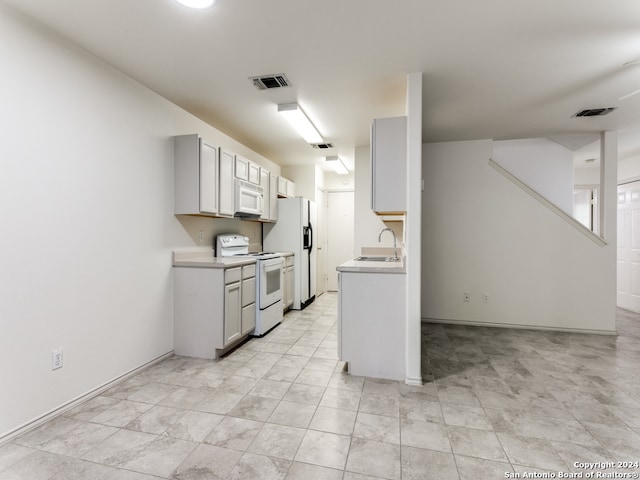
294,233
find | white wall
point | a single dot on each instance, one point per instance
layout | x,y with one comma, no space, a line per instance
305,177
86,201
542,164
629,169
483,234
333,181
586,176
413,235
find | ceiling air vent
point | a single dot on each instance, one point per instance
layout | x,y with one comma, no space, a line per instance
594,112
266,82
322,145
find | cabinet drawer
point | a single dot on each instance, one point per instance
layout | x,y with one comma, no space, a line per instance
248,291
289,261
249,271
232,275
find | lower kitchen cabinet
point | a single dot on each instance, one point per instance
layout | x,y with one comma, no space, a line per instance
288,274
232,313
371,324
248,315
212,311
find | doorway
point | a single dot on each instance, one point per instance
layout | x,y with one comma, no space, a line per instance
628,268
340,233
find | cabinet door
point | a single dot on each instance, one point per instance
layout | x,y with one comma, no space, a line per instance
273,197
388,165
282,186
289,289
265,184
291,189
226,185
248,291
232,312
242,168
208,177
254,173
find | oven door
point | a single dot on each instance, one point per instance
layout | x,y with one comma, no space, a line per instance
270,282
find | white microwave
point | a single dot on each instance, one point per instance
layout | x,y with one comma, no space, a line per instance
249,199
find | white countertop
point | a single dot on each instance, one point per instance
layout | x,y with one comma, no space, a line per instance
203,258
372,267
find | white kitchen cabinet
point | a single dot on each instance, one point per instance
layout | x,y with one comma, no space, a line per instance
371,323
286,188
248,315
212,313
241,168
288,282
273,197
226,206
195,176
232,312
254,173
389,165
265,184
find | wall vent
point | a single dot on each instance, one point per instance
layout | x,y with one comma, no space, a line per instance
594,112
266,82
322,145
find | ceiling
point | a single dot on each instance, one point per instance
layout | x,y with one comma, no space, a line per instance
499,69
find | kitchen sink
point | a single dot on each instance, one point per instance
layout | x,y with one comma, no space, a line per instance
376,259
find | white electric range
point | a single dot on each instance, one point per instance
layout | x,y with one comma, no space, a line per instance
269,279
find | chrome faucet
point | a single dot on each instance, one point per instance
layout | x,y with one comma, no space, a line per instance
395,244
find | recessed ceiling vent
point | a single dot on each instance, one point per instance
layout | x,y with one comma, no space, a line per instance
594,112
322,145
266,82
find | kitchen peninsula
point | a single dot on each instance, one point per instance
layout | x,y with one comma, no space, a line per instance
371,316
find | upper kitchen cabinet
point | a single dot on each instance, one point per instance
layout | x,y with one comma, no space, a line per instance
286,188
268,183
273,197
195,176
247,170
254,173
226,186
389,165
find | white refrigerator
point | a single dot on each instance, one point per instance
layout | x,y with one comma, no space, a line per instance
293,232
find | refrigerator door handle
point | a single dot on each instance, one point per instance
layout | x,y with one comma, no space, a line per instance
310,237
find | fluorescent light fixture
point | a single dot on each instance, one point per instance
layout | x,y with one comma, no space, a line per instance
197,3
299,120
336,165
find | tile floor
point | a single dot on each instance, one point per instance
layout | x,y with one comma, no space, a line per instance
495,403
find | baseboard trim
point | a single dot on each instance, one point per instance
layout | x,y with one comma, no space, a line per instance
416,382
11,434
522,327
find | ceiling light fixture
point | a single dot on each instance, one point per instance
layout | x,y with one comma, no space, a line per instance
199,4
337,165
299,120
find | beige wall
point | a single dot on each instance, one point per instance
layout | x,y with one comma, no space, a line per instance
86,201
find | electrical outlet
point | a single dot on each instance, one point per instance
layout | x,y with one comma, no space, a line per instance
56,359
466,297
485,298
201,236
